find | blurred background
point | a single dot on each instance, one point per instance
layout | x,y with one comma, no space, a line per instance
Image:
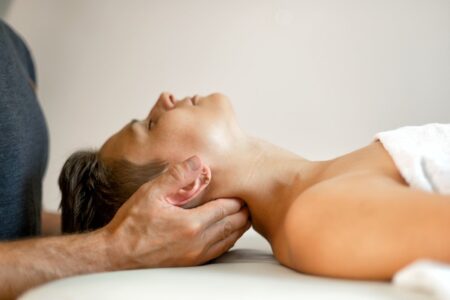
319,77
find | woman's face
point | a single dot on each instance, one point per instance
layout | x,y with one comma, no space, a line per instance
177,129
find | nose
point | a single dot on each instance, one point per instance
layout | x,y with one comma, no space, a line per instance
166,100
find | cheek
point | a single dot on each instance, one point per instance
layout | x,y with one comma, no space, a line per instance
180,136
183,133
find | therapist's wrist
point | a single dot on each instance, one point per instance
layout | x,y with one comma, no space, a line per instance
97,252
114,251
120,249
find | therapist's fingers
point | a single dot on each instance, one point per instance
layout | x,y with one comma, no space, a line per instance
225,227
215,211
225,244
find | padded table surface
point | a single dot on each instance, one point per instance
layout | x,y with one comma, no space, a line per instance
248,271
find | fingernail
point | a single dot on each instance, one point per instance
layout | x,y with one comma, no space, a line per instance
194,163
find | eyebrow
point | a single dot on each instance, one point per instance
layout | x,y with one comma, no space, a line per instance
132,122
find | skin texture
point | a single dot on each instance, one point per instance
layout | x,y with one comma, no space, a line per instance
146,232
51,223
349,217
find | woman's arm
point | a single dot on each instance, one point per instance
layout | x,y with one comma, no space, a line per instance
365,227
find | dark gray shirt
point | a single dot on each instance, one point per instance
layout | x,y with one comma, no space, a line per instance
23,140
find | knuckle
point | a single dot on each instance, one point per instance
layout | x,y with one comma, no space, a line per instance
221,213
134,210
227,229
193,229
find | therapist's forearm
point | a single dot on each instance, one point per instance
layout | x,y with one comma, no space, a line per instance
146,232
25,264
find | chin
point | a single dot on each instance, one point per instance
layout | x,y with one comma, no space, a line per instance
217,99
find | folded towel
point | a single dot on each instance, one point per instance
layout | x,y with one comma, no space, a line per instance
426,276
438,172
422,155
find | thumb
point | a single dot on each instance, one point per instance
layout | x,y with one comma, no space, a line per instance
178,176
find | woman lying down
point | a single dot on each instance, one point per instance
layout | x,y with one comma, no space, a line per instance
354,216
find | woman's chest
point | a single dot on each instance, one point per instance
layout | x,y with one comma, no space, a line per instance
372,159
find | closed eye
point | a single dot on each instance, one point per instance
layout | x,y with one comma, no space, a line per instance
150,124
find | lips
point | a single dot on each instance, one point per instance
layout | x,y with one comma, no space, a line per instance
189,100
194,100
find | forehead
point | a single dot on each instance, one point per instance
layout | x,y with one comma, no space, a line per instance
122,143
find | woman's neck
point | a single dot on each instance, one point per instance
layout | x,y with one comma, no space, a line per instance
266,177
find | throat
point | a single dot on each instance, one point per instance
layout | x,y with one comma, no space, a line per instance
267,179
277,185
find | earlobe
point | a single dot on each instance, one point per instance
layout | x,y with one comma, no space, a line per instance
189,192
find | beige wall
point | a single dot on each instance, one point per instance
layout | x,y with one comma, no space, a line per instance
319,77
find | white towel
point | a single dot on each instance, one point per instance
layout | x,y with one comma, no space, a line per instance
422,155
426,276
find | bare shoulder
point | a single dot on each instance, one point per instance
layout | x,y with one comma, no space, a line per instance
344,227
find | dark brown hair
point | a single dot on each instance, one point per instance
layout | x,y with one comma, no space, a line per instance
92,190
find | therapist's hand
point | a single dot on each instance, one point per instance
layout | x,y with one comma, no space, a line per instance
148,231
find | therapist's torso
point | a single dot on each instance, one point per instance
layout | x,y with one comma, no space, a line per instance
23,140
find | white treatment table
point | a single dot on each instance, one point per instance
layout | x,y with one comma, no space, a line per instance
248,271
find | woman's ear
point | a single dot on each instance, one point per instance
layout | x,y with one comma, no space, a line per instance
192,190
